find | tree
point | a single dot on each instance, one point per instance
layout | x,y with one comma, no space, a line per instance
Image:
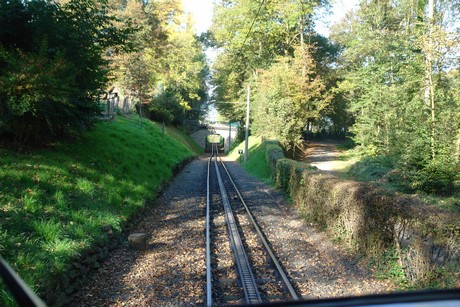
289,94
251,37
394,65
168,70
53,72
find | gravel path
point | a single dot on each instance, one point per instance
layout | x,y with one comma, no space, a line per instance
325,156
172,270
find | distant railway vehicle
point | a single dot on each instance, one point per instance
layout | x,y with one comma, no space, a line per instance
214,139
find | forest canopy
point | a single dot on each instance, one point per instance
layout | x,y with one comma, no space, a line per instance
388,77
58,58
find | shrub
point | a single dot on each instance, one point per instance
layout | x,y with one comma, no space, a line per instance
372,168
421,238
273,153
438,177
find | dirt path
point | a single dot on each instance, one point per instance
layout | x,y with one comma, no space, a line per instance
325,156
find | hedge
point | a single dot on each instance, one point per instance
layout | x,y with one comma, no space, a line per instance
374,222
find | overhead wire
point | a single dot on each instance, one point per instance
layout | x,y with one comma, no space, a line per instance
252,24
240,51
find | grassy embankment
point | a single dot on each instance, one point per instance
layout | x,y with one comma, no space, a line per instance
57,203
257,163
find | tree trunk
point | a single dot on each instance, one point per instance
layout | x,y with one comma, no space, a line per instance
304,69
429,98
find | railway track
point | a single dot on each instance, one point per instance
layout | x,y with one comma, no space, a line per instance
241,266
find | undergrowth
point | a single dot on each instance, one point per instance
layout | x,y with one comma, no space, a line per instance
56,203
383,171
388,267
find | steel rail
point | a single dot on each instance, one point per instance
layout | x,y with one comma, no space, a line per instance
251,292
208,238
275,261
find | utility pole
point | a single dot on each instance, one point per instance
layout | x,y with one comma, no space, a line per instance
229,134
247,126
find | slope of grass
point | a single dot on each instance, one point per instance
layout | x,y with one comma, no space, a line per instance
257,163
184,138
56,203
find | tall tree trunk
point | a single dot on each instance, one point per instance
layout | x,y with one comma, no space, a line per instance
302,46
429,98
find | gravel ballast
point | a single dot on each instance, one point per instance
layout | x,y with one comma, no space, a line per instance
171,271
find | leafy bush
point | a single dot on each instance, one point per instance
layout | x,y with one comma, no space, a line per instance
372,168
274,152
348,144
165,107
437,177
36,97
160,114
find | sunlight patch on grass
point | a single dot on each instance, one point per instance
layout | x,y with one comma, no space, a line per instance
55,203
257,162
85,186
47,231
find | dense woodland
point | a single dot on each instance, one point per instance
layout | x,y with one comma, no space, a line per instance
387,77
58,58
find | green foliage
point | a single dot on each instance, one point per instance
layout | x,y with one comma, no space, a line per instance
372,168
439,176
274,152
55,204
52,72
399,82
168,69
163,108
287,96
400,235
252,36
347,145
389,267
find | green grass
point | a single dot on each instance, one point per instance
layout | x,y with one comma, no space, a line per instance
257,163
56,203
182,137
